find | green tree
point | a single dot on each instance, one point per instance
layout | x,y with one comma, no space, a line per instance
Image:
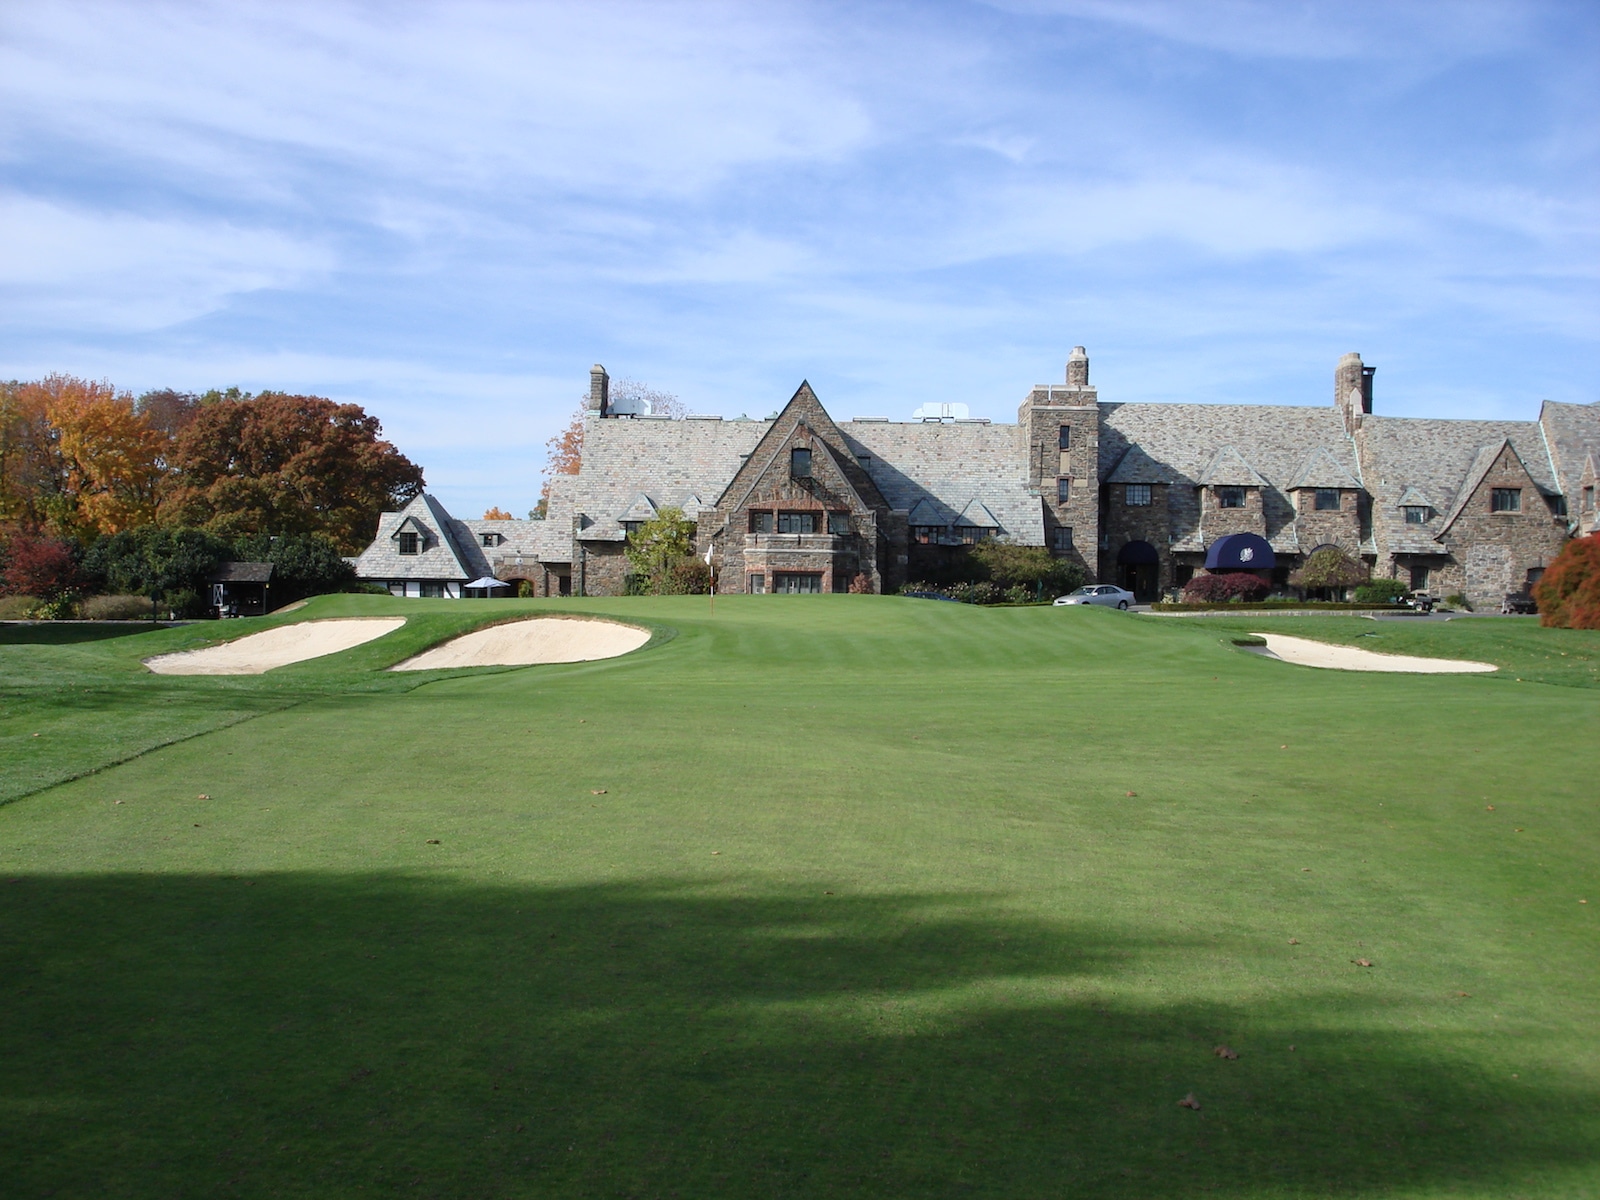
659,551
304,564
1328,569
1032,568
156,562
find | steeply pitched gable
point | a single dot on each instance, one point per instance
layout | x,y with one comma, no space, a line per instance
1229,469
803,419
1322,470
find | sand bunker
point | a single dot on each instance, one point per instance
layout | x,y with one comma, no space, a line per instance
260,652
1308,653
538,640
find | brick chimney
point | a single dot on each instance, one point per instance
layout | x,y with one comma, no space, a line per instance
599,391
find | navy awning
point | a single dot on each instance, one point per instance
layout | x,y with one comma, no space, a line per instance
1240,552
1137,554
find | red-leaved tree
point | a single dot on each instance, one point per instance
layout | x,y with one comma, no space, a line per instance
1569,593
36,565
1214,589
279,464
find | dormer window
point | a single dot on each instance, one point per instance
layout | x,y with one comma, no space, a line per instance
927,535
1230,497
1138,495
1327,500
971,535
1416,514
800,463
630,528
410,543
491,539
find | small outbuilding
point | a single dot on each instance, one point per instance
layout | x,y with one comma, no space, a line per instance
239,589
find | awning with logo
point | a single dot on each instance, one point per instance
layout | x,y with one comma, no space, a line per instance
1240,552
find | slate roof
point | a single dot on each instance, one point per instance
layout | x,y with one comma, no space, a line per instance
241,572
451,549
1228,468
1322,470
940,469
1135,466
1572,434
670,462
1273,441
1436,457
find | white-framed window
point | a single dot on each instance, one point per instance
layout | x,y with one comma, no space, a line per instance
797,583
490,539
1137,495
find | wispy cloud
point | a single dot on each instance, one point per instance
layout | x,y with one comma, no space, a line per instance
447,211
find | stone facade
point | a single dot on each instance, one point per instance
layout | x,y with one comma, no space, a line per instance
1136,493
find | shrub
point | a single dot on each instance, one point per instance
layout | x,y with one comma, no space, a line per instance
861,585
1569,594
1457,600
115,608
1008,565
1237,585
1381,591
524,590
35,565
18,608
1327,569
686,576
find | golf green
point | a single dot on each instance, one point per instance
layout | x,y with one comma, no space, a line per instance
811,896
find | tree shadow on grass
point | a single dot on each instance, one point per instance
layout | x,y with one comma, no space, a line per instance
313,1035
55,633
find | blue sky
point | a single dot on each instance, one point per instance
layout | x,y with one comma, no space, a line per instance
447,212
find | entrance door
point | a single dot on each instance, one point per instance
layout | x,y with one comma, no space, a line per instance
1140,579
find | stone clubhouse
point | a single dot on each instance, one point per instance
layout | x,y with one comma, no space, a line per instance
1144,495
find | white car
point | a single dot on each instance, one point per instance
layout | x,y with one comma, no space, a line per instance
1099,593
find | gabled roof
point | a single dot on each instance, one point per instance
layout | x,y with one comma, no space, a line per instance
926,512
692,506
1135,466
1229,469
803,410
1413,497
642,509
977,516
1482,462
1322,470
448,550
1591,469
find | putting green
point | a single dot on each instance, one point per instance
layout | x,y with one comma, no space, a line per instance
843,896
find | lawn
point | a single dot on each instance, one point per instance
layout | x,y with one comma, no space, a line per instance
812,896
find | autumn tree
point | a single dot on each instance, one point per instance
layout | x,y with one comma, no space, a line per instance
498,514
564,452
1569,592
282,464
33,564
76,457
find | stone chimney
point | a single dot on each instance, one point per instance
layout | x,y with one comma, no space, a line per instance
599,391
1352,389
1078,368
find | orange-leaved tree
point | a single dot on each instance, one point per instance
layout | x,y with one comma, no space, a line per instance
565,450
280,464
77,457
498,514
1569,593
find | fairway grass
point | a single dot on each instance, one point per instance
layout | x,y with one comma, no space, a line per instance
811,896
